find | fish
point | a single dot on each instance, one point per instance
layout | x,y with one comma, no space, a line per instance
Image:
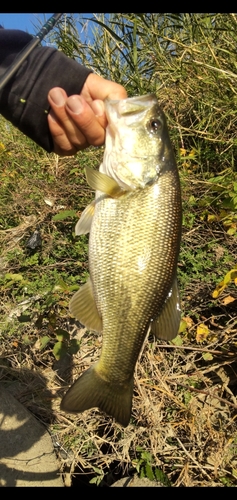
135,225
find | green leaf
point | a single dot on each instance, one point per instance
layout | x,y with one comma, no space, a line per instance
177,340
13,277
44,341
73,170
231,275
64,215
148,472
73,288
95,480
62,284
161,477
32,260
207,356
183,326
142,472
111,32
97,470
59,350
231,231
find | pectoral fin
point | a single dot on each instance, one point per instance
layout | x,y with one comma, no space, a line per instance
83,307
83,226
166,325
102,182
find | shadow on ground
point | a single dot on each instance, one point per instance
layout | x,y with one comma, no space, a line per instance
27,455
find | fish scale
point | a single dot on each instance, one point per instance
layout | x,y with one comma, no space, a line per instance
130,312
135,229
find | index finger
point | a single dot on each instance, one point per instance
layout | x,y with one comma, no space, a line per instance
96,87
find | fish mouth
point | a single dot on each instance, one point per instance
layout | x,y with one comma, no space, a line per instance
139,98
131,105
136,105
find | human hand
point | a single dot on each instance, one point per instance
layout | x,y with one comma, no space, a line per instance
79,121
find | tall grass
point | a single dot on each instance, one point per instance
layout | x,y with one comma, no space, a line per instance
188,60
183,426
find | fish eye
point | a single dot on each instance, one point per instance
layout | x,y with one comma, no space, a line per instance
154,125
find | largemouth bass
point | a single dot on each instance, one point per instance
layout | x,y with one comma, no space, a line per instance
135,229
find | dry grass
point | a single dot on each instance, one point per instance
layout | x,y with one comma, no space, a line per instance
184,407
184,404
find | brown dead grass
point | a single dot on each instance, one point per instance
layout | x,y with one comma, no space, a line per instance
184,409
184,405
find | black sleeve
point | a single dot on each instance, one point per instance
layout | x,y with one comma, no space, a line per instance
23,101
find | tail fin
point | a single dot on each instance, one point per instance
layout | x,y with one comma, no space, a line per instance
91,390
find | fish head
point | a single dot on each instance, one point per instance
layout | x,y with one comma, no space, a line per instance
138,148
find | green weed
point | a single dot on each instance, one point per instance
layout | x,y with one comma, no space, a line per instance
144,464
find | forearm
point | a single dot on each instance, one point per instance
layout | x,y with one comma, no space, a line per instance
24,99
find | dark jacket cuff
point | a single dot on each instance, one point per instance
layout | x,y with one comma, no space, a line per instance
24,99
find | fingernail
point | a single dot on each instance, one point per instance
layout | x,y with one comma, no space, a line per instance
57,97
74,104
